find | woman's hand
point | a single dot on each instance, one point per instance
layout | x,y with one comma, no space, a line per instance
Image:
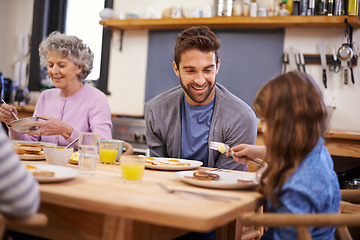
51,126
242,152
5,113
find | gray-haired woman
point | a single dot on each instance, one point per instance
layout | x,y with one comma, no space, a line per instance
71,107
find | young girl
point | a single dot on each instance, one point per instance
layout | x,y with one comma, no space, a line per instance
300,177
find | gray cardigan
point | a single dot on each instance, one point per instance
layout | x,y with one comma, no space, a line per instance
233,122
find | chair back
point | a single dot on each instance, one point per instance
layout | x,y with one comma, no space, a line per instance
36,220
129,149
349,215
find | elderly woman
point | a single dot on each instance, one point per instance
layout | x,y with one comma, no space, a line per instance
71,107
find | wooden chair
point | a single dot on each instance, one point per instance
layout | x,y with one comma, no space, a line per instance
36,220
129,149
350,217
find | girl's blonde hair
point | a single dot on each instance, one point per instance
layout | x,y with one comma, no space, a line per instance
291,105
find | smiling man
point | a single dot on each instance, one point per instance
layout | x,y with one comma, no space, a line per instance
182,122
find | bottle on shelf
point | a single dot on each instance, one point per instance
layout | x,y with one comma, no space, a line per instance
353,7
289,6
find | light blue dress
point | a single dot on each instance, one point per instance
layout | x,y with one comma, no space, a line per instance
312,188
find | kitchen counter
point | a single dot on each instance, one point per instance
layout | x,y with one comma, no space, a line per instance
339,142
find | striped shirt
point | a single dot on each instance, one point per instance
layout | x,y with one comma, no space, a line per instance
19,191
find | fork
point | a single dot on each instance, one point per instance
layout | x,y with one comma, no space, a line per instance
224,149
204,195
221,147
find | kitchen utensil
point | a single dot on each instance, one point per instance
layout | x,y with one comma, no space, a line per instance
351,72
72,143
345,54
311,10
335,66
204,195
292,60
323,62
224,149
18,125
330,9
285,61
344,65
302,61
297,60
2,100
352,184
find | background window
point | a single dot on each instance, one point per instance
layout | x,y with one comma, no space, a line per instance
75,17
85,25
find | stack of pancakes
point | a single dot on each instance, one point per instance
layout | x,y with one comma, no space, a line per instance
28,148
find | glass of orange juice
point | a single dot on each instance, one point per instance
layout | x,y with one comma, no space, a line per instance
108,150
132,168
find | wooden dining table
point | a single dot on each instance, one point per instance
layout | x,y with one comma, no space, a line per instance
103,207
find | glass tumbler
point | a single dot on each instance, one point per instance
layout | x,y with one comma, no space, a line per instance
88,153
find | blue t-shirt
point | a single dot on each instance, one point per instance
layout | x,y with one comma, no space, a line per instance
312,188
195,125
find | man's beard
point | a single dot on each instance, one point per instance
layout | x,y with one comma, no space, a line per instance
196,97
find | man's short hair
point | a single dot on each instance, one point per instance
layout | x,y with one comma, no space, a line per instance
201,38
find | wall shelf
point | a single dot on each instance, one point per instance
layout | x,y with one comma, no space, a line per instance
232,22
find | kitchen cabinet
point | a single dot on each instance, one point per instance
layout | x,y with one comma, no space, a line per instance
340,143
25,111
232,22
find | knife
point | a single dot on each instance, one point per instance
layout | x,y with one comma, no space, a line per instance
302,61
220,198
297,59
285,61
323,63
292,60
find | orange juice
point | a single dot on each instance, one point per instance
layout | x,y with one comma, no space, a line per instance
132,171
108,155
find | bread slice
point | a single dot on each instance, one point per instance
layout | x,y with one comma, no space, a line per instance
28,148
43,174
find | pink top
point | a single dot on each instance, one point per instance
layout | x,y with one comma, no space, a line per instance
86,111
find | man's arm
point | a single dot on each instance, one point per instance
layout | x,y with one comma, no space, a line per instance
154,142
241,129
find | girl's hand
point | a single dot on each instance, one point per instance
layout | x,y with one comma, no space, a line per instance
242,152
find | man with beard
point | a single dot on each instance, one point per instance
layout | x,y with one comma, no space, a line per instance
182,122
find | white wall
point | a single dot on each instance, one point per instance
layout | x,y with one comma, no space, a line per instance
127,70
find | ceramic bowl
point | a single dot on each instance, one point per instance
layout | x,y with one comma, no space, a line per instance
18,125
57,155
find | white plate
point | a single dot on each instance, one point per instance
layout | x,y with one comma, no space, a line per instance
32,156
227,180
61,173
193,164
